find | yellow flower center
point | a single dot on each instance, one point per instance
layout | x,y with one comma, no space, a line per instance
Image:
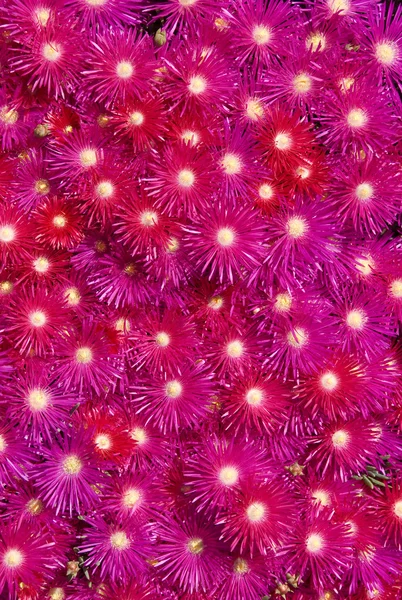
59,221
322,497
254,109
41,264
173,389
103,441
216,303
283,302
240,566
356,319
84,355
139,435
6,287
265,191
398,509
296,227
72,296
339,6
148,218
302,83
42,16
105,189
72,465
119,541
3,443
261,35
42,187
316,41
34,506
395,288
195,545
57,594
131,497
8,116
386,53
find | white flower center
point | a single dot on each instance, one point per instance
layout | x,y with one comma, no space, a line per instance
105,189
296,227
386,53
38,399
231,164
254,397
340,438
329,381
124,69
13,558
283,302
254,109
256,512
302,83
131,497
139,435
119,541
398,509
229,476
186,178
103,441
136,118
356,118
261,35
41,264
364,191
225,236
322,497
162,339
356,319
316,41
197,85
59,221
339,6
395,288
297,338
73,296
51,52
88,158
84,355
283,141
72,465
37,318
173,389
314,543
7,234
235,349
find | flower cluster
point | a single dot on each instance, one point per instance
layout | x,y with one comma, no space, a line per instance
200,300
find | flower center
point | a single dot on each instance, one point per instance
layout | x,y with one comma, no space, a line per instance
139,435
124,69
265,191
136,118
356,118
197,85
173,389
365,265
84,355
302,83
229,476
37,318
316,41
72,296
119,541
122,325
105,189
322,497
225,237
254,397
314,543
231,164
395,288
3,443
42,187
172,245
283,302
296,227
51,52
364,191
42,16
356,319
88,158
254,109
162,339
13,558
129,269
329,381
339,6
38,399
72,465
57,594
346,83
297,338
340,438
7,234
103,441
240,566
6,287
398,509
41,264
148,218
283,141
59,221
386,53
195,545
131,497
34,506
235,349
186,178
261,35
256,512
9,116
189,136
216,303
96,2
